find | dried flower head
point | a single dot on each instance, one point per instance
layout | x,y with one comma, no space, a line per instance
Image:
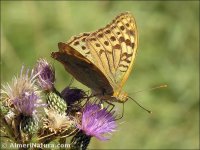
97,121
24,83
9,117
57,122
46,77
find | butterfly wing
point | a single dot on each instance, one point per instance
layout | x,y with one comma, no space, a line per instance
78,44
81,68
114,49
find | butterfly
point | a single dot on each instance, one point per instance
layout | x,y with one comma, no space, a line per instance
102,60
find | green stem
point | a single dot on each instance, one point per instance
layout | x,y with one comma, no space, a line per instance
62,141
80,141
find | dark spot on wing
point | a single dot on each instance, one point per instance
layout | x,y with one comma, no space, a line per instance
101,52
118,33
76,43
93,39
83,39
113,38
106,43
97,45
121,39
100,35
128,42
122,28
113,27
117,46
132,45
83,47
88,52
107,31
86,34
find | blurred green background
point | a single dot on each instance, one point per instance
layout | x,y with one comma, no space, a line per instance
168,54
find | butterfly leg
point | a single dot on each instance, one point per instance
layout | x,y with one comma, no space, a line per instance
110,104
89,99
122,114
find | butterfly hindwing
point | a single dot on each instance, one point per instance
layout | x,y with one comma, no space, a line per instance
78,43
114,46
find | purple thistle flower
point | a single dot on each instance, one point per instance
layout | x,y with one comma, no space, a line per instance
72,95
97,121
46,74
27,103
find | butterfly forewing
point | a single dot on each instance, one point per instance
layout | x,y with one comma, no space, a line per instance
79,44
82,69
114,48
101,53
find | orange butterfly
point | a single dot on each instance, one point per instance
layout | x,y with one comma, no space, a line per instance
102,60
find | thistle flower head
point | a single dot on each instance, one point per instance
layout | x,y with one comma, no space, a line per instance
46,74
97,121
72,95
24,83
57,122
27,104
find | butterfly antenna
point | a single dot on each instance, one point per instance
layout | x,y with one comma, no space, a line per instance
140,105
153,88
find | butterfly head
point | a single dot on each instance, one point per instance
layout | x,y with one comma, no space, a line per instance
121,97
